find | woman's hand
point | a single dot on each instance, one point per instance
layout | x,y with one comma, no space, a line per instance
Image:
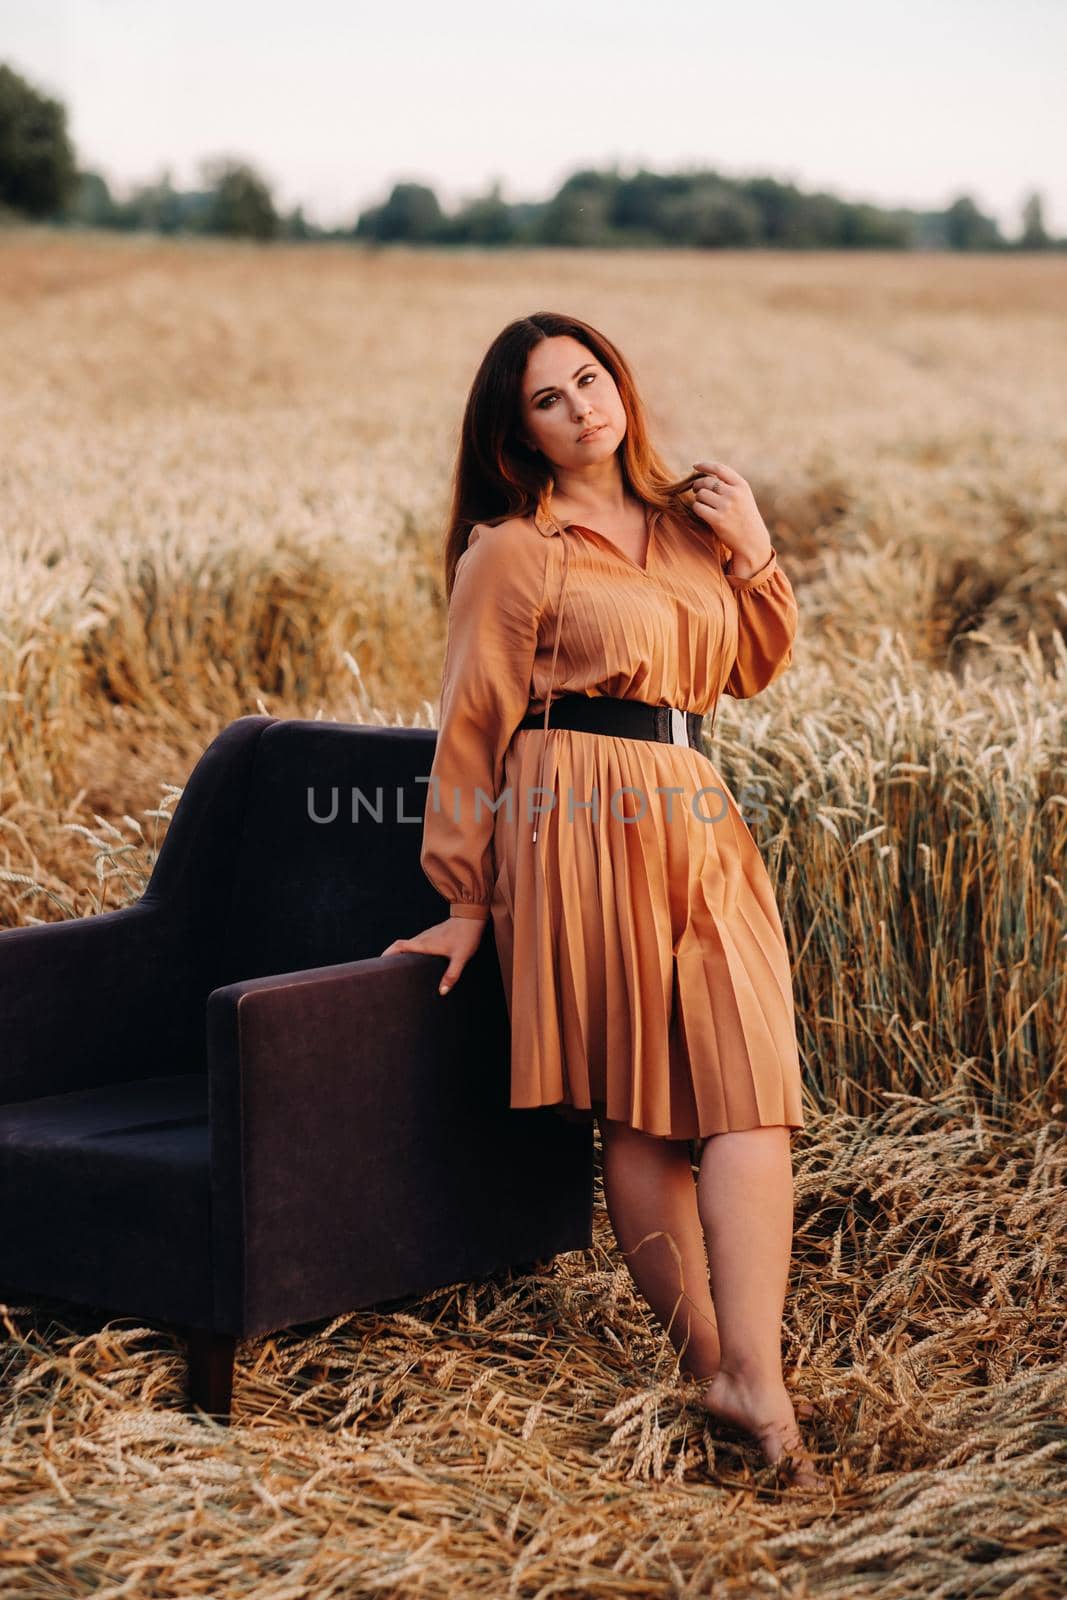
457,938
726,503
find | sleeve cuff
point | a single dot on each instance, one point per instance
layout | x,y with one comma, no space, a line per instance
768,570
467,908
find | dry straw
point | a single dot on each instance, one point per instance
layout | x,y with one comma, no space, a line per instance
530,1435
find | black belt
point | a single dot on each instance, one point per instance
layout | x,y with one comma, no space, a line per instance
627,719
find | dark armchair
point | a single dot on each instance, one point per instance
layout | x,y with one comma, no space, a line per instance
221,1109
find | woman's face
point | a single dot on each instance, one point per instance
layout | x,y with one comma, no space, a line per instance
565,391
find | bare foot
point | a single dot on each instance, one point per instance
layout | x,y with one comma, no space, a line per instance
767,1414
803,1408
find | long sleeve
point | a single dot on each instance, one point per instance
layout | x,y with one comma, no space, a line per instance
493,618
766,628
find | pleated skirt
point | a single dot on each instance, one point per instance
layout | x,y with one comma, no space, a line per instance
641,949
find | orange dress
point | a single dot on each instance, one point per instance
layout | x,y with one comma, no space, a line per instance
642,953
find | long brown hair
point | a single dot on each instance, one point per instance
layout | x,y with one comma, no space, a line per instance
497,476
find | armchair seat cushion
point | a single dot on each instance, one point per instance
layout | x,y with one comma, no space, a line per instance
107,1190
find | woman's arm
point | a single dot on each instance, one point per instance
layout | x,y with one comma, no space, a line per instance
493,618
766,604
766,628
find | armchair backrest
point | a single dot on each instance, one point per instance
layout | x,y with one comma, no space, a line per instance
293,845
325,865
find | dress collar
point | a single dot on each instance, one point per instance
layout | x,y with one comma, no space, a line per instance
548,524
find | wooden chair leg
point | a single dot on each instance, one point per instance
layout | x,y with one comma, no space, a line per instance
211,1371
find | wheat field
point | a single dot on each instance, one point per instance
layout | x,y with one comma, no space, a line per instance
223,475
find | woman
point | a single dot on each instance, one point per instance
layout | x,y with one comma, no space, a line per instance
595,615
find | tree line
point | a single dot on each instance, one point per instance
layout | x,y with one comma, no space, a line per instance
40,179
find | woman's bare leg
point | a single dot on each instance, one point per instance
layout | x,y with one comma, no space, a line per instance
649,1189
745,1195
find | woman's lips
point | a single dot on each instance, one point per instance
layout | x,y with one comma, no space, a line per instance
591,433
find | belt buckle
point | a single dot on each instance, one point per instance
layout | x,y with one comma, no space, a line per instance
679,731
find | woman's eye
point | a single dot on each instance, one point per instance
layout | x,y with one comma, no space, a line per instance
587,376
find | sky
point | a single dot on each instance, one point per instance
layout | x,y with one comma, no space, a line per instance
334,101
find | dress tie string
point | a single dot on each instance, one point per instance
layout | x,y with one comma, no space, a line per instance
552,669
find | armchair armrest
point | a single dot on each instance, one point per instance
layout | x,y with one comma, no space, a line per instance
362,1142
97,1000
